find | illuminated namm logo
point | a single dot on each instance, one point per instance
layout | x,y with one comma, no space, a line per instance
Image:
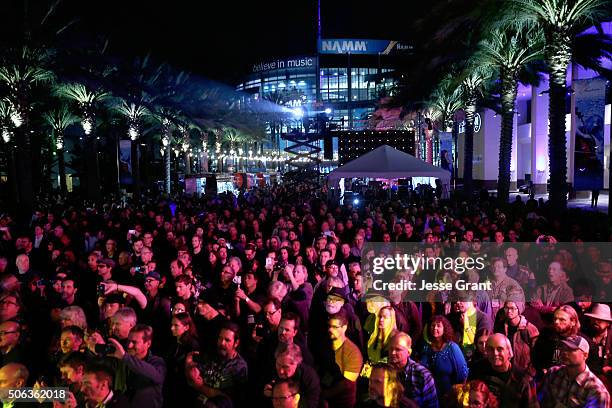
354,46
344,46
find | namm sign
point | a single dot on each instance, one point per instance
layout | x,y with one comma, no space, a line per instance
354,46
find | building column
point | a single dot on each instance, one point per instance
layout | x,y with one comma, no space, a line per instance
539,136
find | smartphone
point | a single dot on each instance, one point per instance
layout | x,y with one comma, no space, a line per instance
132,232
269,262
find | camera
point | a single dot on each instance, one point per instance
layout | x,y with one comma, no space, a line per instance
101,289
139,269
105,349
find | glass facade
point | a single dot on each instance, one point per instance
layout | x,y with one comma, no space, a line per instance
349,93
351,105
286,87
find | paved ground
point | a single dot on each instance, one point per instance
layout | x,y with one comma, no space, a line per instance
582,203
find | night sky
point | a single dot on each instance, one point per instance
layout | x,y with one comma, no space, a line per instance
220,39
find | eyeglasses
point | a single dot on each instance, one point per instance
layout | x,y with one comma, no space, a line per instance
271,313
285,397
7,302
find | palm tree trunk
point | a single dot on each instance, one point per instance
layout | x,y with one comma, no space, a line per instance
455,135
12,174
24,170
509,89
468,182
39,180
92,168
167,172
187,164
558,60
175,176
61,168
135,167
429,146
610,180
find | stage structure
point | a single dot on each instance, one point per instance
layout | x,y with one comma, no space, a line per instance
353,144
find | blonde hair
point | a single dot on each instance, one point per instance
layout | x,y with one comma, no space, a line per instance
379,339
393,386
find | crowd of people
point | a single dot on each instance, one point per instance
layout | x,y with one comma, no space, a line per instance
262,299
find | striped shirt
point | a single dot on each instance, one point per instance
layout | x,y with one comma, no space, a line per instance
419,385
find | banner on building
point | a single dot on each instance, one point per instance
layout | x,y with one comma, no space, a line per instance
589,137
125,162
362,46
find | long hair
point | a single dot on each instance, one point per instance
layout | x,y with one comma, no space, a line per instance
459,396
448,334
573,317
186,320
393,386
379,339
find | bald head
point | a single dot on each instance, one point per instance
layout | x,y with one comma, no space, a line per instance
400,348
499,352
22,262
13,375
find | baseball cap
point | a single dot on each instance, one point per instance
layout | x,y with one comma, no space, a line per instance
337,293
107,261
576,343
154,275
331,262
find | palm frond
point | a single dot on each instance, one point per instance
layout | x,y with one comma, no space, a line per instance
81,94
59,119
131,111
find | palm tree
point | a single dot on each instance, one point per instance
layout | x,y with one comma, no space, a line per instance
59,120
561,21
167,119
9,120
185,143
88,101
471,91
232,137
506,52
135,115
20,73
444,103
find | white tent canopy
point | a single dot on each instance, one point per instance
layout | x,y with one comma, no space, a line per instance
389,163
